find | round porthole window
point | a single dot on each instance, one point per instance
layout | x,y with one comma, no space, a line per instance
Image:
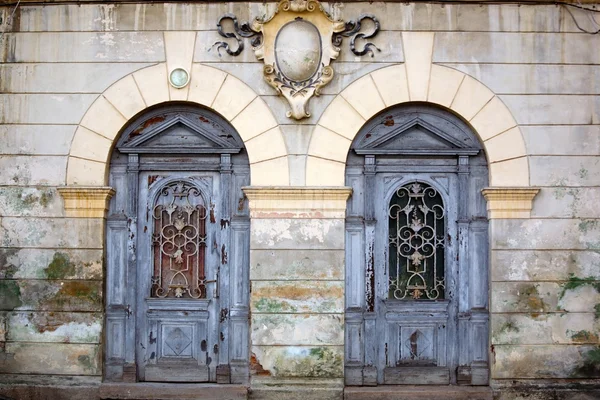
179,78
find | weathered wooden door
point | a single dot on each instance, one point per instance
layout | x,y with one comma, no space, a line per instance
177,251
416,277
417,292
178,276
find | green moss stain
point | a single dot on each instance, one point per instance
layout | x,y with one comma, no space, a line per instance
583,173
81,295
587,225
10,295
322,362
508,326
60,267
7,269
81,290
273,306
590,367
27,199
575,282
597,311
584,337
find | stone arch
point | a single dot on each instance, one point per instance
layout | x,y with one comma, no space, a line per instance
210,87
417,81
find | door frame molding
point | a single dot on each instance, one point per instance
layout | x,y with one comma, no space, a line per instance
363,171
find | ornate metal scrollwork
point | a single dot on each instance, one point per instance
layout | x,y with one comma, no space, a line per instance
352,29
179,242
417,243
243,31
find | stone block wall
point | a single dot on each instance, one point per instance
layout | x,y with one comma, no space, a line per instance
526,77
297,282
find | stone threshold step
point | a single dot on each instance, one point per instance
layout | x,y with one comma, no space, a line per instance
418,393
296,393
168,391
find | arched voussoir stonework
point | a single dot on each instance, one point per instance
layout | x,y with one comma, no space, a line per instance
209,87
465,96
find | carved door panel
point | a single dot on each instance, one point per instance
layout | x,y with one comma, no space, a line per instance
178,277
416,275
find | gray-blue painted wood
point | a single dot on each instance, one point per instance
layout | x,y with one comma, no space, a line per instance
178,339
401,145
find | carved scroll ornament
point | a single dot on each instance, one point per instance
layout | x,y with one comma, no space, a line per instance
297,44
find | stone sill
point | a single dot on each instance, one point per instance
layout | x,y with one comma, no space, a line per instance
522,2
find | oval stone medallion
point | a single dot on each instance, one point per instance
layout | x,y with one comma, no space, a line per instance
298,50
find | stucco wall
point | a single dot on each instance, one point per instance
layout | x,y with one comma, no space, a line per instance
534,61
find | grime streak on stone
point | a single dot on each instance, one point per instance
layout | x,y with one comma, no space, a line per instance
10,295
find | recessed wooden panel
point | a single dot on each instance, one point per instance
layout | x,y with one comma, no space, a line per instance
176,340
417,345
115,328
416,376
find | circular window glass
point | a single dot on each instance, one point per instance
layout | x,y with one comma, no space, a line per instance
179,77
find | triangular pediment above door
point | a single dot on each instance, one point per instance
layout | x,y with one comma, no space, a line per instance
415,133
179,131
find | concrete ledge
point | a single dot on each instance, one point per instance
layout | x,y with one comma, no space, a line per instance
43,392
418,392
267,388
548,393
296,393
151,391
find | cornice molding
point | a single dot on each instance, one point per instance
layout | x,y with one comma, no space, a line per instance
297,202
509,202
86,201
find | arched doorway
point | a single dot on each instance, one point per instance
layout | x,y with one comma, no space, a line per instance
176,250
416,251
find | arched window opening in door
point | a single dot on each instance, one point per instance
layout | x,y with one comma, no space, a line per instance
417,243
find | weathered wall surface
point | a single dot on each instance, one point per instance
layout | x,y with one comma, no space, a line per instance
297,282
545,294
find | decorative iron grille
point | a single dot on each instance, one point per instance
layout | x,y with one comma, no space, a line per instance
179,242
417,239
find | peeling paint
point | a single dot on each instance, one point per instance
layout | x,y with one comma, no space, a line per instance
370,289
62,327
60,267
223,255
256,368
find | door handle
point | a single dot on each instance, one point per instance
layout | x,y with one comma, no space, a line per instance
216,282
